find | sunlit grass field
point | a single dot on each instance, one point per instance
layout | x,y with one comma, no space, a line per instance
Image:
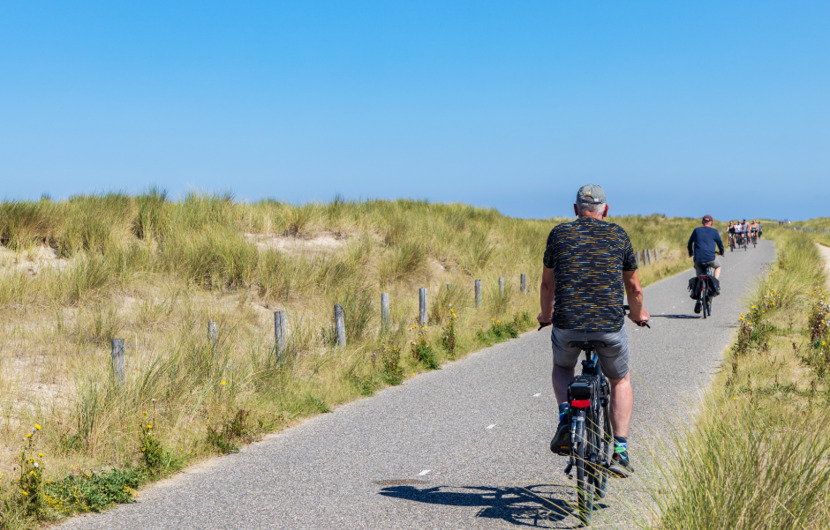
76,274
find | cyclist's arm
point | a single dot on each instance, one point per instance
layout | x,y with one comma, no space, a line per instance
690,244
720,245
546,295
634,293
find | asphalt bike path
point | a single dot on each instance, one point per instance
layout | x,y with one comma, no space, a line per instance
465,446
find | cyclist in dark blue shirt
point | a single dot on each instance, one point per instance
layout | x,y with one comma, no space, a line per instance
702,247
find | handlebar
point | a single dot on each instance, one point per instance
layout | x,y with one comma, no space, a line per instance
626,310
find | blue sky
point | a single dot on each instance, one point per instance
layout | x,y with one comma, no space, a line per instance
680,108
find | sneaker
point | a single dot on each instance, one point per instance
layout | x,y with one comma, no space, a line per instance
561,443
621,466
697,306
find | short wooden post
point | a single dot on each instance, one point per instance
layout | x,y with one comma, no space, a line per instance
119,361
523,282
478,293
648,255
654,254
422,299
384,311
449,287
339,325
213,334
501,286
279,333
637,258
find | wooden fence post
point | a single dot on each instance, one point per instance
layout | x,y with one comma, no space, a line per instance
422,303
119,362
501,286
279,333
384,312
523,282
213,334
339,325
637,258
478,293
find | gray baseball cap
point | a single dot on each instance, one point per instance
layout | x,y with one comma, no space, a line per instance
590,194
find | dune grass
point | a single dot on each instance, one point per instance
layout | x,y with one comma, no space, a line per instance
77,273
758,456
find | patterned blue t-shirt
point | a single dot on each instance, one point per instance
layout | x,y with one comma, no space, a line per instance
588,257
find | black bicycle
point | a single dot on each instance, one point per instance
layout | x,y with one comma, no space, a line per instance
592,436
706,293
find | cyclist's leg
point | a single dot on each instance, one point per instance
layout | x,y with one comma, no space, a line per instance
715,265
622,405
564,361
614,361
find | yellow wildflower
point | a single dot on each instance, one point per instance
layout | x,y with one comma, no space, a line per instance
28,435
40,455
37,426
223,383
149,426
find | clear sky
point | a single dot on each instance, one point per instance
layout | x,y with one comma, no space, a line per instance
680,108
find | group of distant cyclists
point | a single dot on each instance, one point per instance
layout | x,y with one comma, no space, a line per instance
741,233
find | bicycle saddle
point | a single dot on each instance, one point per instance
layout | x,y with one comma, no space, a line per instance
586,344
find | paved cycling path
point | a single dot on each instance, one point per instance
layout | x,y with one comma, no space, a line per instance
464,446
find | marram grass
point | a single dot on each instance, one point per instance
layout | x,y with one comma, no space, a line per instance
758,455
76,273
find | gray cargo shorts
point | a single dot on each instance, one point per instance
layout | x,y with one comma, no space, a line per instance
613,358
700,266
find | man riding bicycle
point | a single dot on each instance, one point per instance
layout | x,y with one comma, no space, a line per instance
587,264
701,246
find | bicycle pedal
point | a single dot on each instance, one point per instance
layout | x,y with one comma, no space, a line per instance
568,470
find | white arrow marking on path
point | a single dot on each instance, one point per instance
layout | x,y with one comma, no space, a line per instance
424,472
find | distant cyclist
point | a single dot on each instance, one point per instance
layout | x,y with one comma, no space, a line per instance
701,246
587,265
753,230
730,233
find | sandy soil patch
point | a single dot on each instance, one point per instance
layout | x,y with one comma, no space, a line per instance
825,253
31,260
323,242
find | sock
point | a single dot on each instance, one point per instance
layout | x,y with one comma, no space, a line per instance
621,446
564,408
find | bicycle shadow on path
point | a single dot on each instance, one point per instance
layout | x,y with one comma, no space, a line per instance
674,316
534,506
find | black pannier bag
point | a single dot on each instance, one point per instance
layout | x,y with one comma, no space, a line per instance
582,387
695,286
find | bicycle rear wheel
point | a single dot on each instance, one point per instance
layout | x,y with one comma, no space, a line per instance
584,487
605,451
704,302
